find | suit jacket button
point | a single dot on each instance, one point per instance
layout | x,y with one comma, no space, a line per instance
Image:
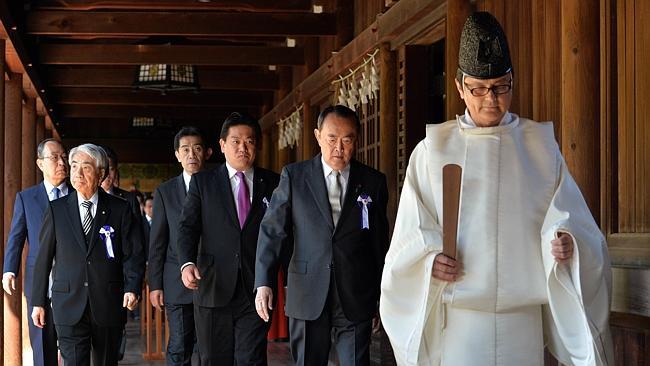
85,284
88,262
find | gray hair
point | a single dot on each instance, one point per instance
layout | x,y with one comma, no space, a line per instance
97,153
41,147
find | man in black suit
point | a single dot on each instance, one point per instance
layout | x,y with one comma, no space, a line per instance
335,207
97,270
223,211
165,283
147,221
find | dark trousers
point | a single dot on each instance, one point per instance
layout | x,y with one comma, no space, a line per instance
311,339
78,341
43,341
233,334
182,335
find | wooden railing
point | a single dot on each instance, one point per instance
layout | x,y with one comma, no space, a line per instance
151,327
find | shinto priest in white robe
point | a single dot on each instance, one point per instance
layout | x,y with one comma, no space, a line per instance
513,298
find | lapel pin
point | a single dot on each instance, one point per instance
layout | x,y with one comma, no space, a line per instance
103,212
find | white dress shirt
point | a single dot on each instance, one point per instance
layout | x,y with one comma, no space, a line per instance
82,210
49,188
186,179
344,178
234,183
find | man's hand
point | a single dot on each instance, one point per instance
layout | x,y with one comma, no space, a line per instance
38,316
156,298
264,302
562,248
9,282
130,301
445,268
191,277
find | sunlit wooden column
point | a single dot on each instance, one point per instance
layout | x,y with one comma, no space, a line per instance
2,164
40,136
388,123
28,168
580,96
12,183
457,12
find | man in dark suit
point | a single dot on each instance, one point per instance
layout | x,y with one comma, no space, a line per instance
97,270
223,211
26,223
165,283
147,221
335,207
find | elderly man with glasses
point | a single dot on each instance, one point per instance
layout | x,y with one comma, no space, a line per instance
97,270
26,222
531,267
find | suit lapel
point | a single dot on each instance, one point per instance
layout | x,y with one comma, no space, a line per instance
40,197
75,220
259,187
101,216
316,184
352,191
225,191
180,188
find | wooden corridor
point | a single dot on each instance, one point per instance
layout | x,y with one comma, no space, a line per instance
278,352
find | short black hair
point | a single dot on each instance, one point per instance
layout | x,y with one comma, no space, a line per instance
111,155
341,111
187,131
41,147
236,119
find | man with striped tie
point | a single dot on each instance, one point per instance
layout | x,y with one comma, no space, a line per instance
98,266
26,222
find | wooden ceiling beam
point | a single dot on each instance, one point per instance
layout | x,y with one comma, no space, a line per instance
222,5
128,111
123,78
117,54
115,96
188,24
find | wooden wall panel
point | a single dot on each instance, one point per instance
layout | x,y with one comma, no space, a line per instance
365,13
642,113
625,124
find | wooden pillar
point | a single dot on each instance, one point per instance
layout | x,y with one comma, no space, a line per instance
28,170
267,150
546,35
388,123
580,97
457,13
12,182
2,164
344,23
40,136
309,145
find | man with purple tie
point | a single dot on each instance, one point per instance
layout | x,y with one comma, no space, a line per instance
222,211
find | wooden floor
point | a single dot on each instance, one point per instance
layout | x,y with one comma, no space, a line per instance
278,352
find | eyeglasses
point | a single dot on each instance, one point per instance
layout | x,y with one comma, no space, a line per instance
55,158
482,91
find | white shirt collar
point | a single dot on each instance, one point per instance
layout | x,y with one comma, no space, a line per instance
94,199
466,120
345,173
186,179
63,188
232,171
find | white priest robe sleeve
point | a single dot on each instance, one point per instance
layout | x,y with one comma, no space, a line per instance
410,306
576,319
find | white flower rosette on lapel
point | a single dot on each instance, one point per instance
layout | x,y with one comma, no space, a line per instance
107,233
364,201
266,202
